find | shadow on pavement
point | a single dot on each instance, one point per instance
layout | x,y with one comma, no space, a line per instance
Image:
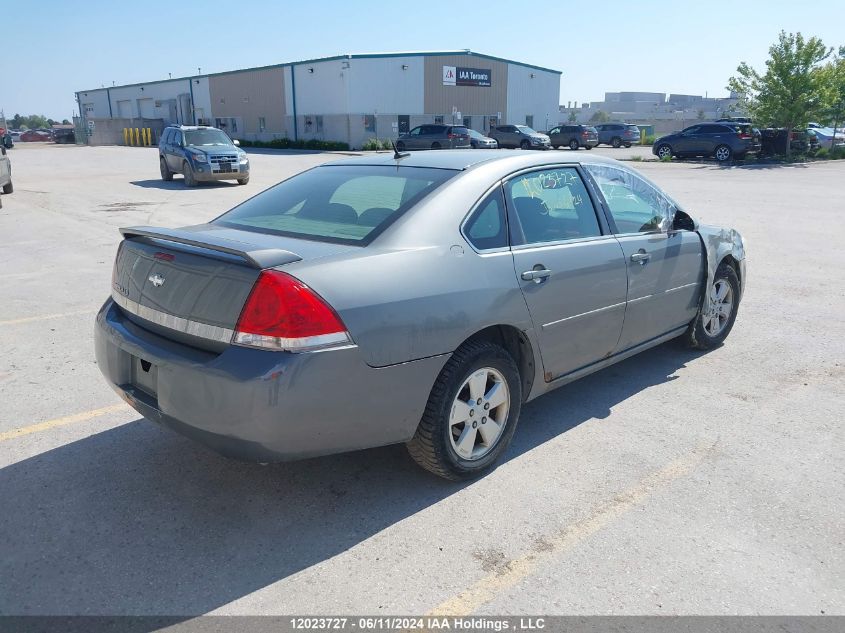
138,520
178,183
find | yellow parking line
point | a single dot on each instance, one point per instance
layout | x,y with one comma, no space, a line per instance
44,317
69,419
486,589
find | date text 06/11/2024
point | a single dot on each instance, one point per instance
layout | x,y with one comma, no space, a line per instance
427,623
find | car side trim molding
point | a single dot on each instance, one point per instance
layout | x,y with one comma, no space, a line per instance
665,292
173,322
583,314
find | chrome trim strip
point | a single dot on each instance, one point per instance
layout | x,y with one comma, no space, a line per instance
665,292
170,321
583,314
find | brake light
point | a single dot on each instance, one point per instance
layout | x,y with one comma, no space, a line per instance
453,135
282,313
744,136
585,134
167,257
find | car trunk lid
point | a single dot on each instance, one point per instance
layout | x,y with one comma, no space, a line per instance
191,284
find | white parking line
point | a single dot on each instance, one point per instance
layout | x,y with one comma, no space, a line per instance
45,317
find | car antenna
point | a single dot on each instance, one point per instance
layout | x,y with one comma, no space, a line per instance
396,153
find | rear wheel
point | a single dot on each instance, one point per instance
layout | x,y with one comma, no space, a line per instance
616,142
712,326
188,173
664,152
723,153
471,413
400,146
524,145
435,146
166,174
8,188
573,144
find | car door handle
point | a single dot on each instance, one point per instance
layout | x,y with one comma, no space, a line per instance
641,258
537,276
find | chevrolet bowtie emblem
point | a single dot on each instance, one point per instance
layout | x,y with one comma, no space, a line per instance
157,280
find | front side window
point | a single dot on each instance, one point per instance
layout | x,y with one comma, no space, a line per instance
346,204
487,228
551,205
635,204
416,131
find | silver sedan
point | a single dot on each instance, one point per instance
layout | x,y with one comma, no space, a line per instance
411,298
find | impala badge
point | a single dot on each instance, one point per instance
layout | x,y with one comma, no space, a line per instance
157,280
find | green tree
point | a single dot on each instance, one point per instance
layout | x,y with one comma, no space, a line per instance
600,117
572,116
791,91
65,122
701,115
834,80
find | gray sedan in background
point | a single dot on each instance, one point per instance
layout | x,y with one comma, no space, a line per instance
411,298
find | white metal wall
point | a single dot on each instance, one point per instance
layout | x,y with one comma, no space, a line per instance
533,92
382,85
140,101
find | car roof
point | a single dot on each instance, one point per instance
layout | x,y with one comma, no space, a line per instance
194,127
462,159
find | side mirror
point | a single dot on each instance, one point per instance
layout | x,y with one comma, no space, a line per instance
682,221
236,143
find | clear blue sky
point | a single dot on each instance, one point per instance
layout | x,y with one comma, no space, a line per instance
54,50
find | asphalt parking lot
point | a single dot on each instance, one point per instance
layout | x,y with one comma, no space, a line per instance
675,482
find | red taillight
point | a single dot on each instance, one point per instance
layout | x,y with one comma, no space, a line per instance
282,313
453,136
745,137
167,257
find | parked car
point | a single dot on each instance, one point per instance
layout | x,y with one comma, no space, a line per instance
5,172
6,139
618,134
435,136
201,154
35,135
519,136
825,137
801,140
479,141
720,140
261,332
64,135
734,119
16,135
574,136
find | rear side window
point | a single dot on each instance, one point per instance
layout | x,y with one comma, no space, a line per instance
346,204
460,130
487,228
550,205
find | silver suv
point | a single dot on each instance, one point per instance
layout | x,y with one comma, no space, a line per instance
520,136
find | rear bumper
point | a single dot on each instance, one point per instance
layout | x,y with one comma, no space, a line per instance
263,405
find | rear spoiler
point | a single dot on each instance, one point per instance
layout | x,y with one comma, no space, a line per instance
256,257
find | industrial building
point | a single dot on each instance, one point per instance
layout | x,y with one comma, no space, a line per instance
346,98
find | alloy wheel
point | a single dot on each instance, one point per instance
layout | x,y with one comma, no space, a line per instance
479,414
721,306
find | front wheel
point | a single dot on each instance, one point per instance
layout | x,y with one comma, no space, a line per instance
188,174
243,181
573,144
712,325
8,188
471,414
723,153
400,146
524,145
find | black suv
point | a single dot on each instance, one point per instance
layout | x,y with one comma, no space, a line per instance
574,136
720,140
435,136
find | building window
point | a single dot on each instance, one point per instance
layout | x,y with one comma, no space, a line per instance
369,123
529,120
318,124
467,121
262,124
438,120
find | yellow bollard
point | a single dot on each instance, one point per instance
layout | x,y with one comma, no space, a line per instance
144,136
137,137
126,136
149,136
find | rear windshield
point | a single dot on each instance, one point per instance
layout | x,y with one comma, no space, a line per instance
346,204
462,131
633,128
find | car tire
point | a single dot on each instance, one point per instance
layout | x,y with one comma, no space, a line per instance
8,188
188,173
400,146
573,144
435,445
711,328
435,146
243,181
627,145
722,153
616,142
664,151
524,145
166,174
556,146
588,147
